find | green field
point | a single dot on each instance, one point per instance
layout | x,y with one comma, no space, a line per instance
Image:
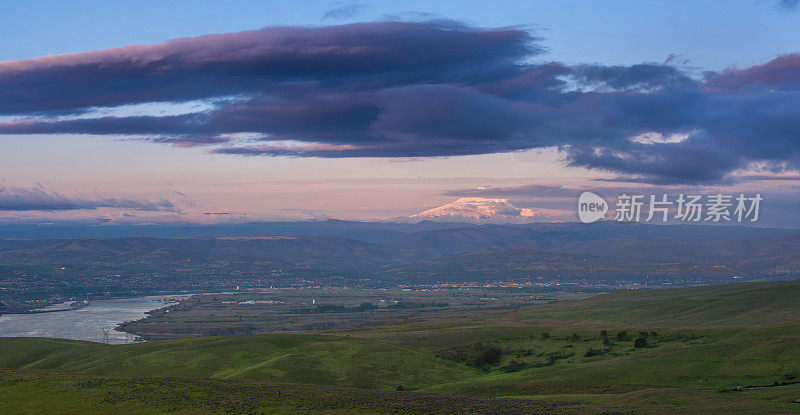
721,349
332,309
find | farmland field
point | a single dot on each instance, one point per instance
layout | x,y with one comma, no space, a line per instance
333,308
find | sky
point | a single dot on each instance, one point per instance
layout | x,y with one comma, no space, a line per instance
193,111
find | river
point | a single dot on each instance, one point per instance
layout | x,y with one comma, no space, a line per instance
87,323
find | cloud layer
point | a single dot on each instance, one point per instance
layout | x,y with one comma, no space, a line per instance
418,89
20,199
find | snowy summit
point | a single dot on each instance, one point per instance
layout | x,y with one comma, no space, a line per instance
482,209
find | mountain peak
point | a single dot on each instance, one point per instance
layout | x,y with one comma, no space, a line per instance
483,209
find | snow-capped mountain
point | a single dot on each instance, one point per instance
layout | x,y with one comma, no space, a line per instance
478,209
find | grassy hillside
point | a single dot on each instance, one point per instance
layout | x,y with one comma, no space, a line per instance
723,343
322,360
26,392
743,304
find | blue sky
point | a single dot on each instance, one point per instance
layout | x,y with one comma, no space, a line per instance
712,34
538,96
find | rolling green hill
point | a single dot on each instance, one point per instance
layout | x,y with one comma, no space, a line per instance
314,359
742,305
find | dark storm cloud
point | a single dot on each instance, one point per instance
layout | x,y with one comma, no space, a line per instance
779,74
361,55
767,177
642,76
30,199
417,89
659,163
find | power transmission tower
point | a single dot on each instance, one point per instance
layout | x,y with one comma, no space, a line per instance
105,334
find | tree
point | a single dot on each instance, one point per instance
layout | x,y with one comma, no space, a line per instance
641,341
595,352
487,355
